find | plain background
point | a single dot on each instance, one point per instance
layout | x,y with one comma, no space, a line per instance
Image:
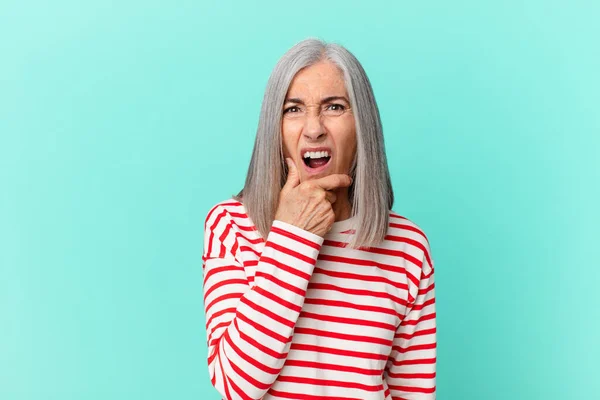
122,123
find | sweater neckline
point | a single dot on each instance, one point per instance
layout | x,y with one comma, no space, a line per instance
340,226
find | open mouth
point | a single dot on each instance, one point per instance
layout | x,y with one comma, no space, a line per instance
315,163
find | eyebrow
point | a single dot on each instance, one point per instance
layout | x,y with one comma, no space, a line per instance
324,100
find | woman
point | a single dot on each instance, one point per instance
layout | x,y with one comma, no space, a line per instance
313,287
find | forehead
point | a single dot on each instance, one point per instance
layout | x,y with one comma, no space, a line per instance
318,79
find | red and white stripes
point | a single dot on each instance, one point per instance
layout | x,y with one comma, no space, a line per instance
297,316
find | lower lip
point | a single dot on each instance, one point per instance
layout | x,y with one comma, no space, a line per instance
314,171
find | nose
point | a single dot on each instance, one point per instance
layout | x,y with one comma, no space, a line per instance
313,126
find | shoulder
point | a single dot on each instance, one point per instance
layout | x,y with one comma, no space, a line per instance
406,231
225,210
227,214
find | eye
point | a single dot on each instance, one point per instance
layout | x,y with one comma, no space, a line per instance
289,109
337,107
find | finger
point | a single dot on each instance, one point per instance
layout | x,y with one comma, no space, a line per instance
293,178
330,196
334,181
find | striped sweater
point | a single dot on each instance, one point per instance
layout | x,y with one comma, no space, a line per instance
298,316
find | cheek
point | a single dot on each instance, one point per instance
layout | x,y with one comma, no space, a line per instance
290,135
290,128
346,141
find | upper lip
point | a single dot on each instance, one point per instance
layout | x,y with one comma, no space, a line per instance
322,148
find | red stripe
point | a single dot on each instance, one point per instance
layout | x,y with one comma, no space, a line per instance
429,302
241,215
368,263
377,250
293,307
279,282
250,249
330,382
412,389
357,292
403,239
428,289
398,216
342,336
360,277
295,237
339,352
250,263
416,347
239,236
283,267
348,321
289,252
234,248
232,202
407,227
304,396
346,304
418,361
421,319
405,375
332,367
416,333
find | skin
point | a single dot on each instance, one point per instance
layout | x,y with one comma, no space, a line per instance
311,120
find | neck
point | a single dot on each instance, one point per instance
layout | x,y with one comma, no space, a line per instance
342,207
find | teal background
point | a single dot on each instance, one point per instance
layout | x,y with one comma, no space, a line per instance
122,124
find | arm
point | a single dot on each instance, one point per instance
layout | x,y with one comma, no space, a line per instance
249,330
411,368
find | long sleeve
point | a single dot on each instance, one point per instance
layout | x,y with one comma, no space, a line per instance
411,368
249,329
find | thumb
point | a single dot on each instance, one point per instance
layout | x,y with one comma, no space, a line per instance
293,178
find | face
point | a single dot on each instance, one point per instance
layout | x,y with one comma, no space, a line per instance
317,119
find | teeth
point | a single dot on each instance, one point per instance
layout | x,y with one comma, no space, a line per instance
316,154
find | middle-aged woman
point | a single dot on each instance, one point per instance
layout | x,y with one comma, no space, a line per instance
313,287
